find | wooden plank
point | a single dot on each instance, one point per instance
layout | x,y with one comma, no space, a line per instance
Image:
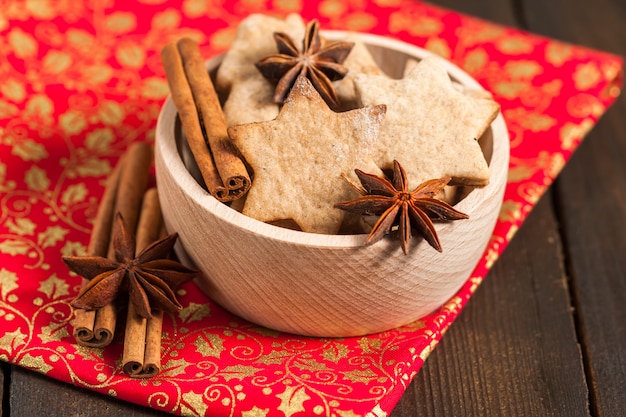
33,394
592,187
514,345
4,399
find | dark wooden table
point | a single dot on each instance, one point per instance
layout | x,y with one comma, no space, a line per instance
545,334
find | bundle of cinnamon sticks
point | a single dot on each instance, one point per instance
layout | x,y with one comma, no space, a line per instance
126,193
200,112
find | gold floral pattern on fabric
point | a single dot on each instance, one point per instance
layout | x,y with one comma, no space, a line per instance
82,81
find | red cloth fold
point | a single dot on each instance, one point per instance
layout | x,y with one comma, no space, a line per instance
83,81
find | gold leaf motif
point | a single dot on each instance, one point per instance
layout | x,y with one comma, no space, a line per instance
288,5
53,332
21,226
35,362
43,10
515,45
98,74
55,62
584,105
91,167
29,150
14,247
237,372
369,345
54,287
360,375
292,400
557,53
523,69
510,89
36,179
111,113
571,134
168,19
477,32
223,38
73,249
475,60
348,413
72,122
209,345
532,121
154,88
273,358
74,194
194,312
360,22
8,282
311,365
13,90
377,412
174,367
80,39
193,405
255,412
552,164
120,22
8,110
10,341
51,236
4,184
332,8
520,173
587,75
510,211
439,47
131,55
388,3
415,25
335,352
99,140
39,105
23,44
195,8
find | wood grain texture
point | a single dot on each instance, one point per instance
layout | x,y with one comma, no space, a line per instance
35,395
4,386
250,269
510,350
592,187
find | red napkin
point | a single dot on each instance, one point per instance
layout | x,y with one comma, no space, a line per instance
82,81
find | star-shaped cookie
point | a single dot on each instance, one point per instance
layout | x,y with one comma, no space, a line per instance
299,159
430,127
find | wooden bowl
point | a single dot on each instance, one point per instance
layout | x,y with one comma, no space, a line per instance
324,285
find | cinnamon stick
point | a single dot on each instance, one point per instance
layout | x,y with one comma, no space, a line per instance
125,197
194,95
142,338
88,331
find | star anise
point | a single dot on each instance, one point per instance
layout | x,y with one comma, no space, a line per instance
320,63
400,208
150,278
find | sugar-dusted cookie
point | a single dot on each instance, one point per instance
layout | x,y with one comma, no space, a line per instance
359,61
430,127
237,73
299,159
